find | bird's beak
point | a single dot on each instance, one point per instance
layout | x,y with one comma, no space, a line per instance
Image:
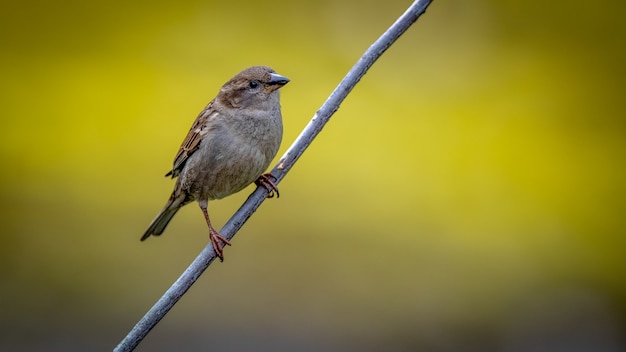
278,80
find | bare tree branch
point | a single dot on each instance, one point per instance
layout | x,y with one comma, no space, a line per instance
204,259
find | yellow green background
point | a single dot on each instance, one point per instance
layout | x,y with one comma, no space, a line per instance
468,195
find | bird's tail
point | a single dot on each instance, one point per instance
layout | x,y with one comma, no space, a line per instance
158,225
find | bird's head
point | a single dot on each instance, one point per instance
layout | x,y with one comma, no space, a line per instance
255,86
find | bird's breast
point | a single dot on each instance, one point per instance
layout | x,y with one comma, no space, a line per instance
233,154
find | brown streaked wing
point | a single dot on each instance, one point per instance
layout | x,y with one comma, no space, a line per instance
192,141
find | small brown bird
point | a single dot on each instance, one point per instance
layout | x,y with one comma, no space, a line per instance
229,146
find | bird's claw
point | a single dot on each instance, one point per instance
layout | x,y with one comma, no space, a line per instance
216,241
265,181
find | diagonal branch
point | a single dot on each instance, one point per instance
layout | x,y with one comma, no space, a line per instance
204,259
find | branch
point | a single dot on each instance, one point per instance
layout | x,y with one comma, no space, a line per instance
204,259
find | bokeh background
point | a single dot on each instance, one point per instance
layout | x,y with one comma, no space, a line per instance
468,195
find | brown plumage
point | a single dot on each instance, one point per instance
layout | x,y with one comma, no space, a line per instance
229,146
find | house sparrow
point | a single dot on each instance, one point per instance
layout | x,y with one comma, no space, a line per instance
230,144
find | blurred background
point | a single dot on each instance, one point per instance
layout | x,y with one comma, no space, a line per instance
468,195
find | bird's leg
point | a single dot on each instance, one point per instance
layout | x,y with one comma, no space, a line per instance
216,238
265,181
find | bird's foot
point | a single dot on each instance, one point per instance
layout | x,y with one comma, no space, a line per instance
216,241
265,181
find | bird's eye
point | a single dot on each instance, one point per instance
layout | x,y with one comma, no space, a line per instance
253,84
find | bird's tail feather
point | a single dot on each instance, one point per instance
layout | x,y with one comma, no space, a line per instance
158,225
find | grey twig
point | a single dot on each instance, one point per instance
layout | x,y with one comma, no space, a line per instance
204,259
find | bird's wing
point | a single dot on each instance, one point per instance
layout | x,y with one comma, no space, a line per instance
192,141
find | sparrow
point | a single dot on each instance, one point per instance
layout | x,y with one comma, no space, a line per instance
229,146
